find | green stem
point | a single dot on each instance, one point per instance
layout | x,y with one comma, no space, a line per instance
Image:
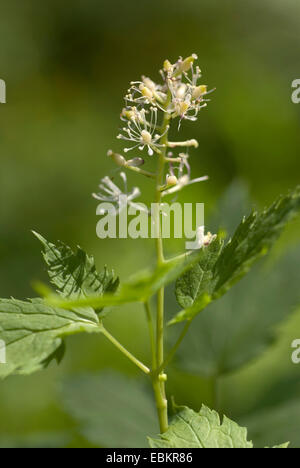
174,349
123,350
157,381
161,405
138,170
151,333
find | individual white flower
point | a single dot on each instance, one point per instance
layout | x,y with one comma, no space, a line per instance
202,239
141,132
111,193
146,92
176,183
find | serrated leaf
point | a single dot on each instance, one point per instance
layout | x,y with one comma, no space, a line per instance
243,323
33,331
189,429
74,273
112,410
140,288
252,239
194,290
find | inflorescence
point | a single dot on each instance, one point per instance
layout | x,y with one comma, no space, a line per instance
148,105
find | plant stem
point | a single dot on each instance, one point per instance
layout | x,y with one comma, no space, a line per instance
151,333
138,170
174,349
123,350
157,381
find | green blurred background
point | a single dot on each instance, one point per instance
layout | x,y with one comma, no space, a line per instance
67,66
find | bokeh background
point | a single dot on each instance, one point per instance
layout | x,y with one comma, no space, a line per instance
67,66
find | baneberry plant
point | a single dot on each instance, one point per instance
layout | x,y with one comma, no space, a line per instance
33,331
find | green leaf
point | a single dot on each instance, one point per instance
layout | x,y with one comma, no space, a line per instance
194,290
75,274
275,422
252,239
243,323
189,429
112,410
140,288
33,331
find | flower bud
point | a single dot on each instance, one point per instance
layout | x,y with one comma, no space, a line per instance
117,158
182,107
135,162
128,113
186,64
171,180
168,66
198,91
146,91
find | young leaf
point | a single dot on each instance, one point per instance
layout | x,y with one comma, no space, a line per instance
252,239
75,274
112,410
33,332
202,430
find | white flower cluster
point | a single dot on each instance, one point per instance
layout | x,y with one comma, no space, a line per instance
188,96
147,115
180,95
